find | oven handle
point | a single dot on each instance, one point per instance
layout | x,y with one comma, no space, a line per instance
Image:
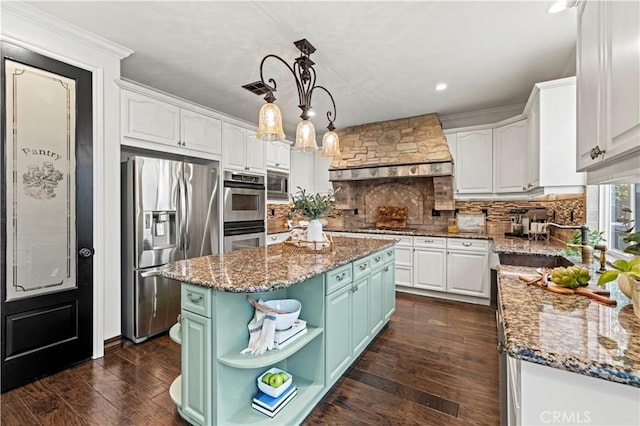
243,231
247,185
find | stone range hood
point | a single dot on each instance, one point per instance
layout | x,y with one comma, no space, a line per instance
403,148
392,171
403,162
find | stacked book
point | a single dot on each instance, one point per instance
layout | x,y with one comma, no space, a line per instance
272,406
283,338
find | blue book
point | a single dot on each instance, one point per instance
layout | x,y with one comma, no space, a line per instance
271,403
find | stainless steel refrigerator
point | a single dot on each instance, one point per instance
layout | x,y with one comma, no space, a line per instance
169,212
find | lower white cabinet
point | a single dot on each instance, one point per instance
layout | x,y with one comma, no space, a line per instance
468,267
277,238
617,404
430,263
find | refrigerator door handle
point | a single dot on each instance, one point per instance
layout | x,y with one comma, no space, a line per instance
188,199
183,212
152,273
208,225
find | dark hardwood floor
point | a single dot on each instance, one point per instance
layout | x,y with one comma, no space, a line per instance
434,364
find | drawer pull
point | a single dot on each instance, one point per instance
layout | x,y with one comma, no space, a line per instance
386,269
377,258
274,238
341,276
194,300
428,241
390,252
363,266
467,244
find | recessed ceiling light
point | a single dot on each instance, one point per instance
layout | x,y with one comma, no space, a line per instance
558,6
441,86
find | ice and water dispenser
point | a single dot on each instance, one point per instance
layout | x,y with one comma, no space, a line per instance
159,230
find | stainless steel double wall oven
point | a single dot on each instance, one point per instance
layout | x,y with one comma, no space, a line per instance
244,211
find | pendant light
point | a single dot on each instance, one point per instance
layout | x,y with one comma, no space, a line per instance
270,123
270,118
305,137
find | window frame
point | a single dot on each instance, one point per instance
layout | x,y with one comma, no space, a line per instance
604,222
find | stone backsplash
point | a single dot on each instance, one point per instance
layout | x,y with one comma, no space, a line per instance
418,195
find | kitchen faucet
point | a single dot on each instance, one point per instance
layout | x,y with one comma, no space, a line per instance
586,249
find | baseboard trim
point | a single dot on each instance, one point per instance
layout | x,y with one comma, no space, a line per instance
113,343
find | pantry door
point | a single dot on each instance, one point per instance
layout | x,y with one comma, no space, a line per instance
47,216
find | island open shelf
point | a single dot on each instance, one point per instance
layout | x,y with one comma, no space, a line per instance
235,359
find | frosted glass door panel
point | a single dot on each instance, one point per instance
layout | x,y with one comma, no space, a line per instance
40,173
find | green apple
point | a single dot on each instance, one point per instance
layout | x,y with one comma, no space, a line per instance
275,380
266,377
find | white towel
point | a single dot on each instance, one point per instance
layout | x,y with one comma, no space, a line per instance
262,330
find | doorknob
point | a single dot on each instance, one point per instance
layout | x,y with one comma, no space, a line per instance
86,252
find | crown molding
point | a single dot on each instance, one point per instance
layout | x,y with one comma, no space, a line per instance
55,24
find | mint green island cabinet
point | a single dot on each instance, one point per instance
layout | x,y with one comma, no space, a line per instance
347,297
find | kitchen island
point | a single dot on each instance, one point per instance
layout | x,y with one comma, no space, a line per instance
347,297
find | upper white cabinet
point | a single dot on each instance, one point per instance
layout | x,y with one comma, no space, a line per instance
608,71
278,156
242,151
149,119
552,134
509,160
310,171
201,132
321,172
473,162
146,119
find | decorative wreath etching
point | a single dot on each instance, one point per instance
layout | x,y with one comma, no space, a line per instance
41,183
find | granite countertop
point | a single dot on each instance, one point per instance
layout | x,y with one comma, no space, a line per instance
570,332
413,232
269,268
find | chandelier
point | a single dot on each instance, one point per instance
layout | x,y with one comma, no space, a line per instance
270,118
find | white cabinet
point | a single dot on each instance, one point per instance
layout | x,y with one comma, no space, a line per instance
321,166
146,121
608,71
277,238
149,119
473,162
430,263
278,155
200,132
468,267
242,150
301,174
509,160
532,169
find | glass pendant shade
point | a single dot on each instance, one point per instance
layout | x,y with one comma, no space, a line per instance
305,137
330,144
270,123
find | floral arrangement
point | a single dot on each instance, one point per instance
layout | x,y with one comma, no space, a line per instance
313,205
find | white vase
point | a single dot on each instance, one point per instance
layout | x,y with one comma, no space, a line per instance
314,231
626,285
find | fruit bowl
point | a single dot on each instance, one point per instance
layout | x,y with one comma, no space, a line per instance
273,391
292,306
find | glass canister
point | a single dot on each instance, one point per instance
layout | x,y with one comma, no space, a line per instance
452,227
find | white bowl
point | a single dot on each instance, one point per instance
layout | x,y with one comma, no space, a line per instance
271,391
285,321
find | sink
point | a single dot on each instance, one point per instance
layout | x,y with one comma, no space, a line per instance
533,260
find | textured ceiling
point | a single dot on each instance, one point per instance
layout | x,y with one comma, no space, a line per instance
380,60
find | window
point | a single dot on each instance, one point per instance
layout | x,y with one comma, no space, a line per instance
616,200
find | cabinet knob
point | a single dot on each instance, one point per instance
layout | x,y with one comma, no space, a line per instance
596,152
179,143
529,185
274,238
524,188
363,266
